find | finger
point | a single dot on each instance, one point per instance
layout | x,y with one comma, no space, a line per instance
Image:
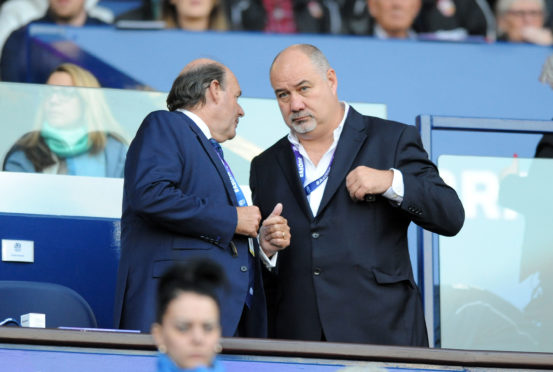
351,190
277,210
278,235
257,213
270,222
360,194
351,178
279,243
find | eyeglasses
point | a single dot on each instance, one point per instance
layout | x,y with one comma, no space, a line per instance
529,13
62,92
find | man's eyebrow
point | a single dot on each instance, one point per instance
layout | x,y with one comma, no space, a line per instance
301,83
295,86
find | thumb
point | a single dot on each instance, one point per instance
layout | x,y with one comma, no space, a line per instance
277,210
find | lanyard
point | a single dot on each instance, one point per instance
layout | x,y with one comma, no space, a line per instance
242,202
239,194
300,163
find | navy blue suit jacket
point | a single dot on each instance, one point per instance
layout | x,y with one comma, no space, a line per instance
178,203
347,272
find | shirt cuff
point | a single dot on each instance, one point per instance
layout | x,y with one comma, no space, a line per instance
268,262
395,192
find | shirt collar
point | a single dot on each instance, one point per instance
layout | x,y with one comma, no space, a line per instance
295,141
198,121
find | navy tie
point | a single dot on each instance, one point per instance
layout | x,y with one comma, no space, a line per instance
217,147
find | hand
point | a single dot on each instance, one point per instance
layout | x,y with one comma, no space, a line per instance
275,232
248,221
536,35
364,180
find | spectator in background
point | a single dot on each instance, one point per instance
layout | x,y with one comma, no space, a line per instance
17,53
187,330
76,133
548,6
286,16
355,16
523,21
194,15
16,13
456,19
393,19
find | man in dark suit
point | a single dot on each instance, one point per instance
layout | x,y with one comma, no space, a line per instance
24,61
350,186
181,200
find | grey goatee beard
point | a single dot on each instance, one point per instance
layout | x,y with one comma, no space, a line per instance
304,127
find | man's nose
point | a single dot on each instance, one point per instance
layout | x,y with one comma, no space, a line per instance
241,112
296,102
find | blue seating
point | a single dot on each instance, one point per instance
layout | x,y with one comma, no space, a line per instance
63,306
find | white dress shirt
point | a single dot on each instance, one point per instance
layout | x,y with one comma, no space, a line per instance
313,172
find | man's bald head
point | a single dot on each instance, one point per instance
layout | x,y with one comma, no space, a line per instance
197,63
315,55
189,88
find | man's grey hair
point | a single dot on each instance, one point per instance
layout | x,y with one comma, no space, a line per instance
188,90
503,6
317,57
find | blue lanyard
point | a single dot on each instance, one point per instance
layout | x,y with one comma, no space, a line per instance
242,202
300,163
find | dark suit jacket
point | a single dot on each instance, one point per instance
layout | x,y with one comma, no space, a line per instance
178,203
347,271
23,61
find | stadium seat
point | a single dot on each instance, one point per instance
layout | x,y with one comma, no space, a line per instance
63,306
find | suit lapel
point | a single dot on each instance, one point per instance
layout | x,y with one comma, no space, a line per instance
352,138
287,163
212,154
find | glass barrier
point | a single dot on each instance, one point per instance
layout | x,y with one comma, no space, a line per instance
70,130
496,282
86,131
477,289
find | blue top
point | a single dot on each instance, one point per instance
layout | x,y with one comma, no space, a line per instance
107,163
165,364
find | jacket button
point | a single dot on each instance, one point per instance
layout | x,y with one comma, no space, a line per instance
315,235
243,268
317,271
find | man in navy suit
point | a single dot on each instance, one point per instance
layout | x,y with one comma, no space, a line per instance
350,185
181,200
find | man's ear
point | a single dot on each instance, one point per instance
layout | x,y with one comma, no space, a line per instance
214,90
332,80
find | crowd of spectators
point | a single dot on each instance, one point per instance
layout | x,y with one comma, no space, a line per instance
434,19
528,21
